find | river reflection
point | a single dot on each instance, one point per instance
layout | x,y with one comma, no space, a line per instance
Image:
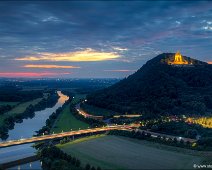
27,129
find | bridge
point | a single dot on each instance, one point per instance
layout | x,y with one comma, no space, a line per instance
66,134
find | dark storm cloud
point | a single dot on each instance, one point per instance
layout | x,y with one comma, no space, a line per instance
144,28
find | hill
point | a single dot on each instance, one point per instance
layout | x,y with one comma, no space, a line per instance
161,87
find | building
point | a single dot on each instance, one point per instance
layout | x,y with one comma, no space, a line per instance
179,59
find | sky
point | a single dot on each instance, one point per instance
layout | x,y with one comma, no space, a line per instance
99,39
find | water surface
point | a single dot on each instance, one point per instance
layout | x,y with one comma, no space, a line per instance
27,129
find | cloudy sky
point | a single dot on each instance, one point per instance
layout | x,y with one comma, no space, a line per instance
98,38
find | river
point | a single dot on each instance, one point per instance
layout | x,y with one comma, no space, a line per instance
27,129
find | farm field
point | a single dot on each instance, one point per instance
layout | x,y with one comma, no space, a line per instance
8,103
20,108
113,152
66,121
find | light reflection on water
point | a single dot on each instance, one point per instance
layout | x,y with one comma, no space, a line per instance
63,98
26,129
29,166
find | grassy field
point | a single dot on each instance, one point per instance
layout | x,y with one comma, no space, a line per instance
8,103
66,121
113,152
93,110
20,108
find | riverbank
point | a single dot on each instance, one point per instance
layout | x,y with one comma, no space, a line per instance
27,129
67,122
22,161
24,111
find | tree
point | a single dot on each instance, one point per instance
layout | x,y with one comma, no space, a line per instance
188,143
87,167
73,161
93,168
78,163
182,142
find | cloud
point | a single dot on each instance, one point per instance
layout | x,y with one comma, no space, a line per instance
120,70
77,56
207,28
48,66
120,49
63,31
51,19
209,62
31,74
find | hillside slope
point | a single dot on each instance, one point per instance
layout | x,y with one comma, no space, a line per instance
161,89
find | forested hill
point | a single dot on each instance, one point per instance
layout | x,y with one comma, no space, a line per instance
158,88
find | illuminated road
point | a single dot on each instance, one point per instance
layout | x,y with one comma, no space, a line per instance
87,115
155,135
65,134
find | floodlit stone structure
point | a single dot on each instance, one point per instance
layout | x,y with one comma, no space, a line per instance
179,59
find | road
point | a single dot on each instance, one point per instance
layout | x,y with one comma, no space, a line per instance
87,115
155,135
65,134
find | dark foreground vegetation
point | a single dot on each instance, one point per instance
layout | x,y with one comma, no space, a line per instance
5,108
11,93
160,89
53,159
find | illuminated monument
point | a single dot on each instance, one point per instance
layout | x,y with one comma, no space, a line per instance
178,59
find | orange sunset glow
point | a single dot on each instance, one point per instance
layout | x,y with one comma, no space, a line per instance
48,66
84,55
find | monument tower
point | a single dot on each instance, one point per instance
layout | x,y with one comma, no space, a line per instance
178,59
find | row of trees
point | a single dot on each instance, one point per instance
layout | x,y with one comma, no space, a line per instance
15,94
178,128
121,120
159,139
50,121
5,108
53,159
